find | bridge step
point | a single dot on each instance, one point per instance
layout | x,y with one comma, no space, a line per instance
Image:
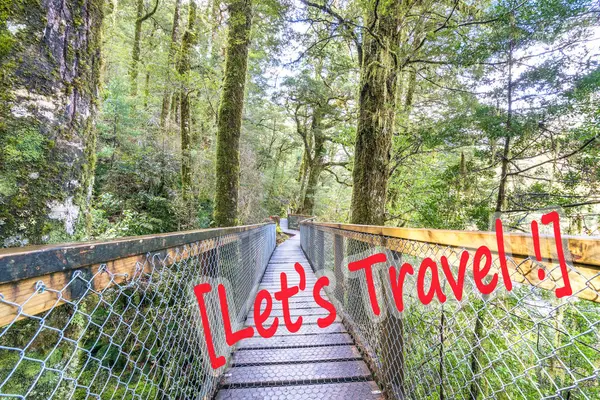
306,319
281,374
295,355
311,329
296,340
331,391
313,363
294,305
294,311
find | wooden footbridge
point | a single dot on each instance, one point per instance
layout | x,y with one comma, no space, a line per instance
119,319
312,363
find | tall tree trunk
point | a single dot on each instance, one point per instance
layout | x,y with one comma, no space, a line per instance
377,104
49,75
137,44
136,51
189,39
167,94
316,167
501,199
304,166
303,172
215,9
147,89
230,113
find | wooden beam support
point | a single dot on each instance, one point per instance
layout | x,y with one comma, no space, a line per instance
583,250
585,278
27,262
36,294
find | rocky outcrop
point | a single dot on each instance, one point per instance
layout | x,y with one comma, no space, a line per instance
49,76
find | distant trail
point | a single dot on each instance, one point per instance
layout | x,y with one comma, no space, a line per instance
283,224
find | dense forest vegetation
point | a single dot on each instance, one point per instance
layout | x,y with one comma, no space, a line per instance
131,117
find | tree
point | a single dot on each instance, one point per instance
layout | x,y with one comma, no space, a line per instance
388,36
166,101
230,113
318,101
184,66
376,115
49,78
137,39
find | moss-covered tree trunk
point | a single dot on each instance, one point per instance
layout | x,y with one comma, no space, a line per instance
136,51
316,165
167,94
501,199
230,113
49,76
377,105
188,40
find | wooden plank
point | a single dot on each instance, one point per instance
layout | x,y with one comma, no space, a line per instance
296,340
297,373
584,278
26,293
32,261
331,391
295,355
583,250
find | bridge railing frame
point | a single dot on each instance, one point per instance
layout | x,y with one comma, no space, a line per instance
294,220
520,343
119,317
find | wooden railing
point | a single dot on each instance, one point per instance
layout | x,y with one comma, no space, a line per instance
522,343
118,318
295,219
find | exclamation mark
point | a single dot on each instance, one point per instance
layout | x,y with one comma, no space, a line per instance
536,244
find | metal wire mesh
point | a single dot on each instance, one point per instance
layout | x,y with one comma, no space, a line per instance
525,343
131,336
295,219
311,363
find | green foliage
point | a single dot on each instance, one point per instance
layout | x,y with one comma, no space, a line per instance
24,146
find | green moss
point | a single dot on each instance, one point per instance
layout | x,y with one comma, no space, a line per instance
32,166
230,114
25,146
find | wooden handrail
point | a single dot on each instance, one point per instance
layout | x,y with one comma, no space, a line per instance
583,250
120,259
19,263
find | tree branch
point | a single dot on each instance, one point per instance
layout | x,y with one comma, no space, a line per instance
151,13
337,178
586,144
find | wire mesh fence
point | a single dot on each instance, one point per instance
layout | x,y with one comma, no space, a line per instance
295,219
126,328
522,344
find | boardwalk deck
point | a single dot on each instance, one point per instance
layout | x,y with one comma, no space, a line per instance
312,363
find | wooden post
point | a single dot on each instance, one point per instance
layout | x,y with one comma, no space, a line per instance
338,253
476,345
320,264
393,349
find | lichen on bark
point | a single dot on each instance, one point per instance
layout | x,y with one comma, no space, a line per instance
49,76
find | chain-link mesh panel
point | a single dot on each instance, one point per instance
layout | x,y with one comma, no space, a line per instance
295,219
107,335
522,344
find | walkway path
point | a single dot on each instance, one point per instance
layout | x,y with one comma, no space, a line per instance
312,363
